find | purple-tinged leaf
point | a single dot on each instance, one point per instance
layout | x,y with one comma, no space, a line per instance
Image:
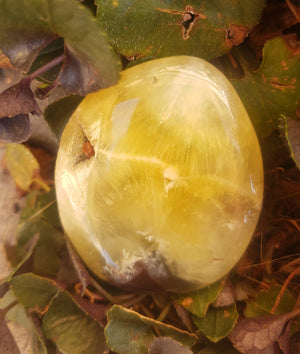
15,129
227,296
18,99
256,335
26,27
292,135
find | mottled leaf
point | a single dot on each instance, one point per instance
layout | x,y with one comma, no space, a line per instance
251,335
218,322
292,135
21,164
135,331
264,302
26,27
58,113
197,302
33,291
273,90
166,345
70,328
15,129
163,28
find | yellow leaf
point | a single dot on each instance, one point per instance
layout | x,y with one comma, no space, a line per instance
21,164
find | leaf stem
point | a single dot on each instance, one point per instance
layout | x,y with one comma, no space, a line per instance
7,308
46,67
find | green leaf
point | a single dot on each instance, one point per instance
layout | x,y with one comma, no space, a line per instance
163,28
29,248
32,290
72,329
218,322
129,332
292,135
273,90
264,302
40,217
223,347
26,27
21,164
58,113
166,345
197,302
23,329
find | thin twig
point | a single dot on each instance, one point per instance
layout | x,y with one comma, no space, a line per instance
283,288
292,8
46,67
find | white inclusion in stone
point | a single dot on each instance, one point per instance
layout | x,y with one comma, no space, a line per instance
252,186
121,117
170,176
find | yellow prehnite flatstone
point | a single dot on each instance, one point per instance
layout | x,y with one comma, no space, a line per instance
171,189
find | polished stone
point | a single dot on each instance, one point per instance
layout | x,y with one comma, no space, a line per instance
161,175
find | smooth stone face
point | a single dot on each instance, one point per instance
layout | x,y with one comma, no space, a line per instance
159,179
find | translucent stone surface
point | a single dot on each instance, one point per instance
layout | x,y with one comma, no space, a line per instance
170,190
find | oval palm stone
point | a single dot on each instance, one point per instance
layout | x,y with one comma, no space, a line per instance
159,179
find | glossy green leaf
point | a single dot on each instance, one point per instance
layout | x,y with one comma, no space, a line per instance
33,291
197,302
273,90
58,113
129,332
163,28
292,135
21,164
218,322
26,27
264,302
72,329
